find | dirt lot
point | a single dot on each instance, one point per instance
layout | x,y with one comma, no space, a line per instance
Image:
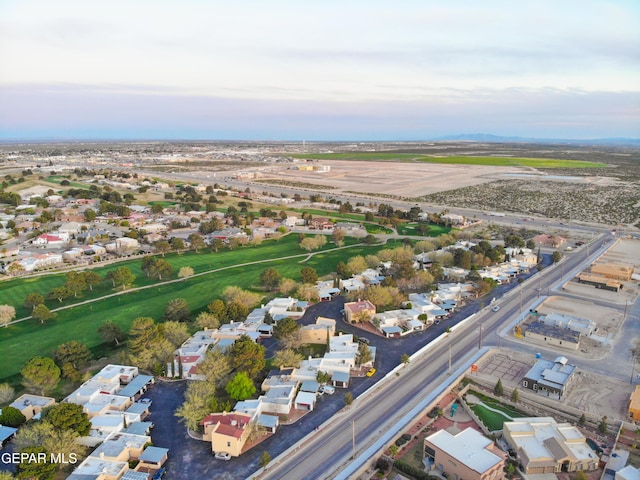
396,178
592,393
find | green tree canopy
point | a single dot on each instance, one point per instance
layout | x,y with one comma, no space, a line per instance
32,300
42,313
40,374
121,276
37,470
111,332
12,417
142,335
72,352
270,278
247,356
308,275
240,387
177,310
68,416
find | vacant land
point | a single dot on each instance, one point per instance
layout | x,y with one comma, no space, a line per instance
457,160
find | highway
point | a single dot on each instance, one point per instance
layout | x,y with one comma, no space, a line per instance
329,450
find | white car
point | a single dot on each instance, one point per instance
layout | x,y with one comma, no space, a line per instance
496,308
223,456
328,389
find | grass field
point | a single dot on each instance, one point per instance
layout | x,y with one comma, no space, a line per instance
20,342
492,420
59,178
458,160
355,217
434,230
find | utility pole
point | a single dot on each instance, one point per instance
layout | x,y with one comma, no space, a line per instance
449,359
480,339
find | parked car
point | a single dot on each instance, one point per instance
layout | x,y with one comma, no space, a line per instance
159,474
371,372
328,389
496,308
223,456
363,340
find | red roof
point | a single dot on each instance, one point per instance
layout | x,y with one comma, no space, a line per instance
189,358
224,423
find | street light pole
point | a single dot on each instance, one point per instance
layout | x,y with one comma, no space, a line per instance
480,339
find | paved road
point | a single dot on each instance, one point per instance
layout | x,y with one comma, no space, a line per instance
373,414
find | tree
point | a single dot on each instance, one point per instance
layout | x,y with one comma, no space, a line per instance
286,357
162,247
199,402
32,300
285,327
308,275
142,335
338,236
270,278
247,356
583,419
602,427
90,215
36,470
531,245
73,352
580,475
44,434
515,396
121,276
92,279
404,358
177,244
499,389
556,257
68,416
364,355
348,398
159,268
6,475
12,417
341,270
185,272
240,387
111,332
59,293
287,286
215,367
233,293
40,374
7,313
197,242
7,393
236,311
356,264
42,313
76,283
175,332
265,459
207,320
218,309
177,310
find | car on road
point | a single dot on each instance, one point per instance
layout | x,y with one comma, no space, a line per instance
223,456
363,340
496,308
328,389
371,372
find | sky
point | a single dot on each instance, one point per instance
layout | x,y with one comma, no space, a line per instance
318,70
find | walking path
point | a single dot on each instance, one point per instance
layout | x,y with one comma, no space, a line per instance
306,256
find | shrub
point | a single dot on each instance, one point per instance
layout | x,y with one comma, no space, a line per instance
410,470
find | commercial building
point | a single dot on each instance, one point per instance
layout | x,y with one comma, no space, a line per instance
634,405
610,270
467,455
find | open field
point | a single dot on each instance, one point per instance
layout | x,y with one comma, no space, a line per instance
19,342
457,160
408,228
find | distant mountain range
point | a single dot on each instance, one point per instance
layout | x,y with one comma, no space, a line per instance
484,137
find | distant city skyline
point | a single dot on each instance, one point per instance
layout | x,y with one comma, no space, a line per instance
285,70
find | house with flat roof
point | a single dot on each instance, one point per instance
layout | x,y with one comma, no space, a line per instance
628,473
318,332
549,378
359,311
613,271
121,447
544,446
32,405
99,469
466,455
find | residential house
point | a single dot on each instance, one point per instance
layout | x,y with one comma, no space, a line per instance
228,432
634,405
360,311
318,332
321,223
31,405
547,240
466,455
549,378
544,446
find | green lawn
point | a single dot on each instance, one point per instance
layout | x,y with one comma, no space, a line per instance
434,230
18,343
492,420
458,160
59,178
